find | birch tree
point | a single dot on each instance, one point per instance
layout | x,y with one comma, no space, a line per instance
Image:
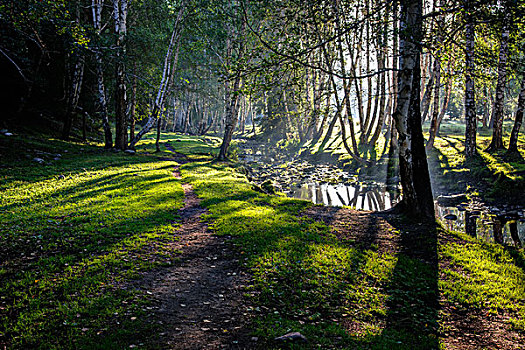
96,10
170,64
232,84
513,142
120,13
497,130
415,180
470,104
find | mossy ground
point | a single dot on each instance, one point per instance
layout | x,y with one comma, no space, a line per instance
73,231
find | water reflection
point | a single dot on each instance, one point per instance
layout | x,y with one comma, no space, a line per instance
484,225
372,197
327,184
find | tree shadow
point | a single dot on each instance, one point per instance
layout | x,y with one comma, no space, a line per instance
413,303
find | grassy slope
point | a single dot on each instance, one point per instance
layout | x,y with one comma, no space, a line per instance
70,231
69,242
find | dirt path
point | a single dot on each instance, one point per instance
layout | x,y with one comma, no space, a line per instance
199,301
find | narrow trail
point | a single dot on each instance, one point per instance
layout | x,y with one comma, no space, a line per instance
199,300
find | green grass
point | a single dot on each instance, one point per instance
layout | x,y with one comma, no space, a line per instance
305,279
74,231
493,174
484,275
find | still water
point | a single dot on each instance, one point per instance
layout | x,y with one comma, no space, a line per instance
374,197
328,185
378,197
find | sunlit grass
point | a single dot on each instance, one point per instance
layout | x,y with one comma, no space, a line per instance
71,231
486,276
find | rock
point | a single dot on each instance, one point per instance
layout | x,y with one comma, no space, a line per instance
450,217
38,160
293,336
268,187
130,151
451,201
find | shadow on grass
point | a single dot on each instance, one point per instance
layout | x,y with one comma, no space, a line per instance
413,304
309,277
64,243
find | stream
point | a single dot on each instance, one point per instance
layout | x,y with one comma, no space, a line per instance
325,183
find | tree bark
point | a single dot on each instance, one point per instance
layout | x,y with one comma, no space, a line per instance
497,130
133,106
96,8
513,143
232,93
170,63
470,104
435,123
415,180
120,9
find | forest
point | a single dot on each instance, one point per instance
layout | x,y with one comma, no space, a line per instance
258,174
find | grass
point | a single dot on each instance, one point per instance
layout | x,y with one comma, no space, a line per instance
71,231
485,275
493,174
75,231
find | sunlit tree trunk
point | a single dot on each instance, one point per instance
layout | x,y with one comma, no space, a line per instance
395,65
497,130
354,152
232,92
120,13
436,122
170,64
413,168
96,8
513,143
470,104
427,96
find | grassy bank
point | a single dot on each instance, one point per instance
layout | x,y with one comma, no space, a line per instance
76,230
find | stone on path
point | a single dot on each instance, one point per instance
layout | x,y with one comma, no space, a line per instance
292,336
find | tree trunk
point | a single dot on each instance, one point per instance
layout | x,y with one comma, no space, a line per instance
96,8
497,130
415,180
470,104
133,104
73,93
157,140
513,143
427,96
434,125
170,63
232,94
120,8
